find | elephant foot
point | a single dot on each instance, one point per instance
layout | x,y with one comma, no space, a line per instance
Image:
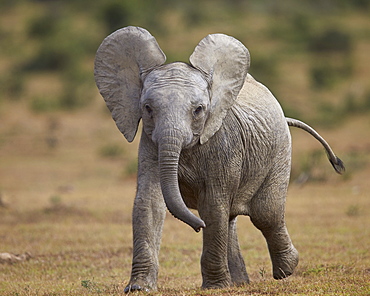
239,277
139,284
284,263
216,282
220,285
134,287
240,282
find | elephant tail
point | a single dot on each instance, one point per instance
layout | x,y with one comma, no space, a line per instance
334,160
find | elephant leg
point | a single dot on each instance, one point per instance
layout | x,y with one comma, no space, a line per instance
235,260
267,213
147,222
214,260
148,217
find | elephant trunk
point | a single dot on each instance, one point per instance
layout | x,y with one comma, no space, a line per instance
169,153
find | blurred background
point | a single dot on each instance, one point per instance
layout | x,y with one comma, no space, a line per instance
68,177
57,138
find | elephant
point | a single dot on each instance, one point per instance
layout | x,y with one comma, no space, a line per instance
213,139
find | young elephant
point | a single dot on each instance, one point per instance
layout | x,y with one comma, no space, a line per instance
214,140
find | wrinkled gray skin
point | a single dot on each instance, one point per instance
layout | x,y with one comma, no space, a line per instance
214,139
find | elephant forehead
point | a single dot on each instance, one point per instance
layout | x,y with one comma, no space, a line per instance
176,74
175,93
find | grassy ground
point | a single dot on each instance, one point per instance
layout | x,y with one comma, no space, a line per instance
67,179
67,190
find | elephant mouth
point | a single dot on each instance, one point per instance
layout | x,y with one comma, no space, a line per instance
195,140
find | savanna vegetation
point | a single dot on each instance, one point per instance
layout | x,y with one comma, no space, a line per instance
67,176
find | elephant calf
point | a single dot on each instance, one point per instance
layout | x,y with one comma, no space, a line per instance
214,139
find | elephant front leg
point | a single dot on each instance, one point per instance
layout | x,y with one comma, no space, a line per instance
147,222
214,260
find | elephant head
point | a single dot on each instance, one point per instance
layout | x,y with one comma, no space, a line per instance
181,105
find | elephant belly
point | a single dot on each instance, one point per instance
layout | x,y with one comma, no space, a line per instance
189,196
240,203
237,192
238,199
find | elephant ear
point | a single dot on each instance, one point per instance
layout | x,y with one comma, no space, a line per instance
121,60
225,63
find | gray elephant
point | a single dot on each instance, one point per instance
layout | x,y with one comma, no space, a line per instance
214,139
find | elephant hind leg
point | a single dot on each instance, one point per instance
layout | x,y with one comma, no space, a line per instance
235,260
267,214
284,255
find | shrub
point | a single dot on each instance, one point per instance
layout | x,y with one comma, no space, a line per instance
312,167
131,168
77,88
330,69
265,68
366,102
115,14
331,40
353,211
111,151
12,84
44,104
43,26
50,57
323,76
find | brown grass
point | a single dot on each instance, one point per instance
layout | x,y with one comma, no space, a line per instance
66,198
70,207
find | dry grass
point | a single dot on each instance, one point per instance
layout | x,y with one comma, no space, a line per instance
66,192
70,207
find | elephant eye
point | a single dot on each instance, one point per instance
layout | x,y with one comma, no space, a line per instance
198,110
148,109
